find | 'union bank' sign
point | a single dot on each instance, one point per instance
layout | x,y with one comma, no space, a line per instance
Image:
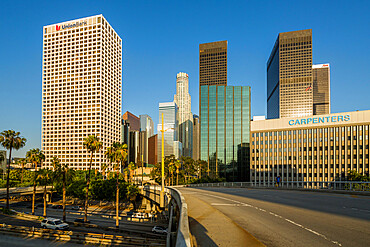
67,26
318,120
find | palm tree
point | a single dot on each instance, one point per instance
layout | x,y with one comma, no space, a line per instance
10,139
120,157
104,168
171,169
34,156
132,168
92,144
64,174
2,158
178,166
44,177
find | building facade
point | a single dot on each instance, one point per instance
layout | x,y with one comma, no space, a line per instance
131,135
3,163
196,137
224,131
183,101
153,149
321,89
213,63
170,124
314,148
147,130
81,89
289,76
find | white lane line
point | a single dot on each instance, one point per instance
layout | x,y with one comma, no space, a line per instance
278,216
225,204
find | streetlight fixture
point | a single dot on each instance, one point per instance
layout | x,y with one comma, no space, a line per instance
162,189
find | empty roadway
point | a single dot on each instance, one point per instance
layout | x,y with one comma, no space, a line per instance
283,217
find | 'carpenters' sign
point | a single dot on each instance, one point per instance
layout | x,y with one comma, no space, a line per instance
317,120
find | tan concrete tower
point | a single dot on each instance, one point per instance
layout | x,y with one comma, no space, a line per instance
81,89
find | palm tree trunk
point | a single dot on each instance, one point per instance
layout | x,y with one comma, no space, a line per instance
87,188
64,196
177,177
7,178
44,214
22,174
117,202
34,194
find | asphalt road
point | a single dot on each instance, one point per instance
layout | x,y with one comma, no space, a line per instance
286,218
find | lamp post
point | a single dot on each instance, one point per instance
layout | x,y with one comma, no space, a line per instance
162,187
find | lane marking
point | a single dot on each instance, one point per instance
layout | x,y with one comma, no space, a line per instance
276,215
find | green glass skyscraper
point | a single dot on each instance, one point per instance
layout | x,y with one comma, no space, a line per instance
225,129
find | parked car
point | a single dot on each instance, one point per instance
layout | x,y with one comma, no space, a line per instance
57,206
76,207
55,224
81,220
159,229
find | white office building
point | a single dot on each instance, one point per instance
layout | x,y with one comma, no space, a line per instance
81,89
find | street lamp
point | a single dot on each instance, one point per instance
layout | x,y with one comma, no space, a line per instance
162,189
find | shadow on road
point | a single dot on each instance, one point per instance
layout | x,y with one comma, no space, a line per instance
199,234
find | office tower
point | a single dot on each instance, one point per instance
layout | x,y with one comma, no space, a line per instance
224,127
81,90
170,125
146,131
213,63
321,89
183,101
153,149
130,135
289,76
196,137
147,124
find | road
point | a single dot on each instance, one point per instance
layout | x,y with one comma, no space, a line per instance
281,217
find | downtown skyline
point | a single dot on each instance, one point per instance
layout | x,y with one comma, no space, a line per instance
154,66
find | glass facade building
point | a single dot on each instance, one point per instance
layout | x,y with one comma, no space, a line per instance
170,123
225,129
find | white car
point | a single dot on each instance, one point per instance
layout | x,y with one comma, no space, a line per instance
159,229
54,224
139,215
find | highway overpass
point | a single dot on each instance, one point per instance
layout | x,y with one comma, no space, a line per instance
274,217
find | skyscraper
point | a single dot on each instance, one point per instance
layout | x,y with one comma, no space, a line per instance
289,76
321,89
183,101
170,123
213,63
225,126
130,135
81,89
196,137
146,131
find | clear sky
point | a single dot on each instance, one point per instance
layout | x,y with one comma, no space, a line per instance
161,38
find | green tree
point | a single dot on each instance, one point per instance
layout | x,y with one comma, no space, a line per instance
10,139
35,156
104,168
92,144
22,162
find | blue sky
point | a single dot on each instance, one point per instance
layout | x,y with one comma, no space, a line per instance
161,38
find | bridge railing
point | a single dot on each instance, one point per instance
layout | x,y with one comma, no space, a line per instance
313,185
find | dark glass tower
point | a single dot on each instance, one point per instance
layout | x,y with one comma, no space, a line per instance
289,76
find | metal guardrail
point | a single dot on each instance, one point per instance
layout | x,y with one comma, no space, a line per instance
14,190
77,237
183,232
311,185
